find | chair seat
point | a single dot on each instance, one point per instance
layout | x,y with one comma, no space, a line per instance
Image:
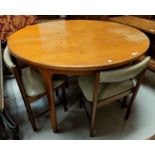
106,90
33,82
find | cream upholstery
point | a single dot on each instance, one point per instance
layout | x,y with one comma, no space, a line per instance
31,78
7,59
124,73
105,89
33,82
108,86
112,82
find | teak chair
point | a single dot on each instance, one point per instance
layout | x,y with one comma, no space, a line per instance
31,84
108,86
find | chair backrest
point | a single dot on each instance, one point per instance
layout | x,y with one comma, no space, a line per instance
7,59
1,81
125,73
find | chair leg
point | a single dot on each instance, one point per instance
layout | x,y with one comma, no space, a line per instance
124,103
129,106
92,125
94,105
26,102
134,94
30,114
64,97
29,111
57,92
66,82
81,101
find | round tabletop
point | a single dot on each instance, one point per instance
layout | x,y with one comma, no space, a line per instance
78,45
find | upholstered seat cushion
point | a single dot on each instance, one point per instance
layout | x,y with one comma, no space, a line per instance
106,90
33,82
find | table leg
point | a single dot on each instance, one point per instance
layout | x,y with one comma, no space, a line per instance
47,76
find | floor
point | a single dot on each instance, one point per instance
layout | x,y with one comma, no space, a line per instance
110,124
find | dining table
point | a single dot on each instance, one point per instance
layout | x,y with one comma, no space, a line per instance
76,48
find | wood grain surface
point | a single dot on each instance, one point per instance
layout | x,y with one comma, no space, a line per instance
78,45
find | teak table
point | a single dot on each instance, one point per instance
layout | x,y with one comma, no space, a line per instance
76,47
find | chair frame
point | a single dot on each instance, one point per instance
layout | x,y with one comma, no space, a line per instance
28,100
97,104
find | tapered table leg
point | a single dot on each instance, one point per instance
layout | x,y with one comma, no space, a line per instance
47,76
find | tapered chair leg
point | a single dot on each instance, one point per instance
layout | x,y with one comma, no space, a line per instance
124,103
66,82
57,92
27,104
30,113
134,94
94,105
81,101
129,106
92,125
31,117
64,97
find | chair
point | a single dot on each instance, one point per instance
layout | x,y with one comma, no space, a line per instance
108,86
31,84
